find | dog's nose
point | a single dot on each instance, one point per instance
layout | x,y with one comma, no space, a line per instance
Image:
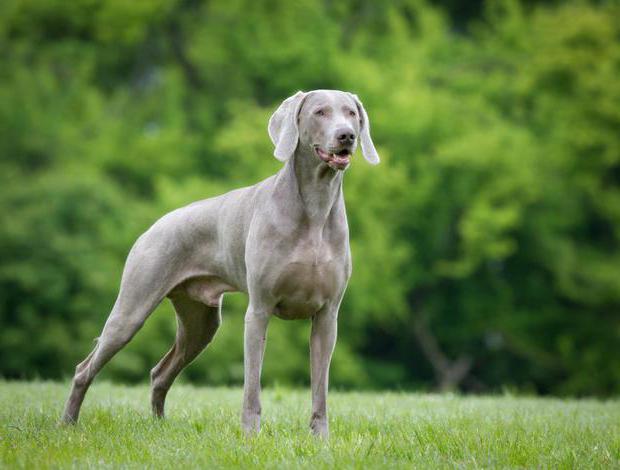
345,135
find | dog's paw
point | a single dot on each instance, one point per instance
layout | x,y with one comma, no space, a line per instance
250,422
319,427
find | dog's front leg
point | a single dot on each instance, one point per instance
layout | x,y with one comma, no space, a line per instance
322,342
254,349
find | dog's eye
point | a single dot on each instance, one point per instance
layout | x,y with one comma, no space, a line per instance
352,113
320,112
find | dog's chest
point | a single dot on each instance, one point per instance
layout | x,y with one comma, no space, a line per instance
313,275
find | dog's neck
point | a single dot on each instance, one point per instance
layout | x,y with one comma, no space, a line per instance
314,184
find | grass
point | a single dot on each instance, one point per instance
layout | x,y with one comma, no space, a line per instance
368,430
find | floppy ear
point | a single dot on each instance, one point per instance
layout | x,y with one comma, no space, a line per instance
368,148
283,128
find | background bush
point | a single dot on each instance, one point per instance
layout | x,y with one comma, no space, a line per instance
485,246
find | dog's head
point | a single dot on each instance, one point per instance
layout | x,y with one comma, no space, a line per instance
325,123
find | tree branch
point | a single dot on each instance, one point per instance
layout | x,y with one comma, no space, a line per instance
449,373
190,71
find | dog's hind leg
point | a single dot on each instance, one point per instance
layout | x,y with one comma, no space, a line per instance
197,323
144,284
121,326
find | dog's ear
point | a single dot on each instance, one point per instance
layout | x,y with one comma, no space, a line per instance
368,148
283,126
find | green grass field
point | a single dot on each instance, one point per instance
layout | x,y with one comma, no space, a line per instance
368,430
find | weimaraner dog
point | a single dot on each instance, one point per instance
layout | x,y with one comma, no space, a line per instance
284,241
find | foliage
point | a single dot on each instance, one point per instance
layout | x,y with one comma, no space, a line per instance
485,245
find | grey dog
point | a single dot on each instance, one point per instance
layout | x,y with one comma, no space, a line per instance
284,241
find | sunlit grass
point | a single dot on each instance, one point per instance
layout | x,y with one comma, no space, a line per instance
368,430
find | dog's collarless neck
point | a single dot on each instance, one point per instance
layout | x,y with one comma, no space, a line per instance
313,184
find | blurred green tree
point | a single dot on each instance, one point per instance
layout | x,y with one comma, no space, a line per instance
485,245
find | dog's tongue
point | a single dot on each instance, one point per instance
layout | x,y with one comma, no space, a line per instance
340,160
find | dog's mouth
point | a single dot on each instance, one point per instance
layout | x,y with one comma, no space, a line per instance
338,160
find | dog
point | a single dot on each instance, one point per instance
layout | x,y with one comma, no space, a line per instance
283,241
